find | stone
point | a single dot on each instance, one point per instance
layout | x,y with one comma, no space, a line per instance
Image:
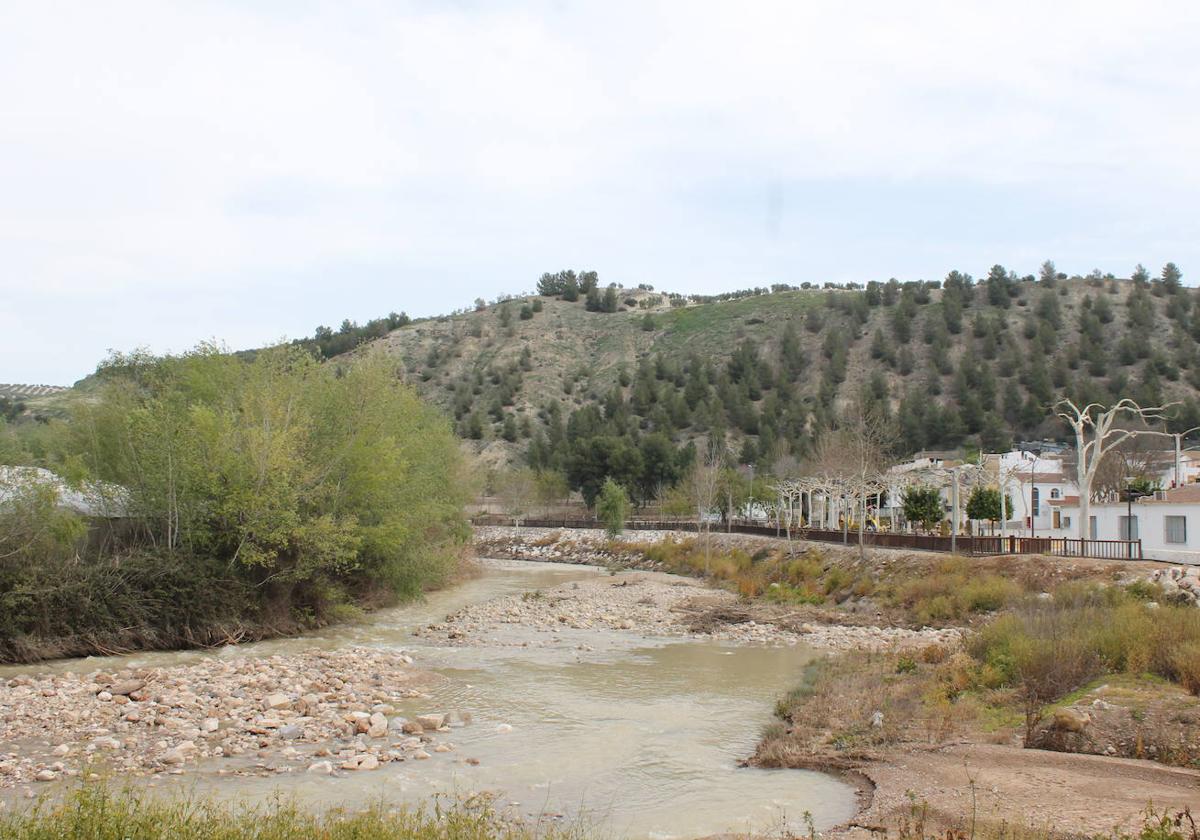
61,749
1071,720
291,732
321,768
378,725
126,687
421,754
368,762
104,696
411,727
276,701
210,725
504,727
431,721
45,776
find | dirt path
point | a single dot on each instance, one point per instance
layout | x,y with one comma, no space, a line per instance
1083,794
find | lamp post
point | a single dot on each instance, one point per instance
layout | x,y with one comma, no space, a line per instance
1034,450
1130,495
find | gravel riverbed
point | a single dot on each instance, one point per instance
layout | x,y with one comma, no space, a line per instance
655,604
320,712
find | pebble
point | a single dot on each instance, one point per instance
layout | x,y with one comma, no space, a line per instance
146,721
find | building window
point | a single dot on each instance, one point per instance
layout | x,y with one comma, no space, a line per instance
1176,527
1054,494
1037,498
1066,522
1129,528
1092,526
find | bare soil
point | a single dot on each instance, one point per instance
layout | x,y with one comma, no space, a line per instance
1063,793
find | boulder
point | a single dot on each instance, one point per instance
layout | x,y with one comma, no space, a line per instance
291,732
126,687
1071,720
431,721
276,701
378,727
321,768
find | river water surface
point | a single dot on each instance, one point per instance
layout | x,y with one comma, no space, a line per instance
640,737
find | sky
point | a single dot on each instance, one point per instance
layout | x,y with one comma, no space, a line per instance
178,172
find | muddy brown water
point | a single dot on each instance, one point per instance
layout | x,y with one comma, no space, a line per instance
639,737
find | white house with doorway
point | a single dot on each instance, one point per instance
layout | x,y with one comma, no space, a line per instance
1167,523
1035,484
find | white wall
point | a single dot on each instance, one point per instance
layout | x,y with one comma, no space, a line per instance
1151,517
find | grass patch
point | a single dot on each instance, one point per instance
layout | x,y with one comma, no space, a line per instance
96,812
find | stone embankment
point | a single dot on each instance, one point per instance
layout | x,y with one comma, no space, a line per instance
654,604
319,712
588,547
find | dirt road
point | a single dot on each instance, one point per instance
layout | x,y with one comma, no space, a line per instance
1082,794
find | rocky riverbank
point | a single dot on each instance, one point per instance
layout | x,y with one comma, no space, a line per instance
319,712
655,604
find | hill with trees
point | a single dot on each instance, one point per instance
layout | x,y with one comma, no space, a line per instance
598,381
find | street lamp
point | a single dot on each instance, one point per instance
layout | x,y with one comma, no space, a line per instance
1130,495
1035,450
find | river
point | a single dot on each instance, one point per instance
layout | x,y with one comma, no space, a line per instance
640,737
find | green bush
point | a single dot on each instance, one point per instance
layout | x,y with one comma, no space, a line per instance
261,495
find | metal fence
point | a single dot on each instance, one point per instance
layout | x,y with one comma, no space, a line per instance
966,544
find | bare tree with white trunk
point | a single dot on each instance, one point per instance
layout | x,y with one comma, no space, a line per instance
1095,437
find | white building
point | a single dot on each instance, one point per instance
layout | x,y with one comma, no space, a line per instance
1167,523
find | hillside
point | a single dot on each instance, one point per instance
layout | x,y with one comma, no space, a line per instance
955,363
620,381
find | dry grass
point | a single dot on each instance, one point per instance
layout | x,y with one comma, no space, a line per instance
937,591
97,812
849,706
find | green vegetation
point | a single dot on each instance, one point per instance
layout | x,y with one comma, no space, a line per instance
984,504
922,504
1048,648
951,363
612,507
1037,653
96,812
260,496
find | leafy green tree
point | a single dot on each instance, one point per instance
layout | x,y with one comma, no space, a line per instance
570,289
1048,274
592,301
1171,277
922,504
612,507
984,504
610,302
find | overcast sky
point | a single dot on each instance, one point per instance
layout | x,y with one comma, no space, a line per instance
173,172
